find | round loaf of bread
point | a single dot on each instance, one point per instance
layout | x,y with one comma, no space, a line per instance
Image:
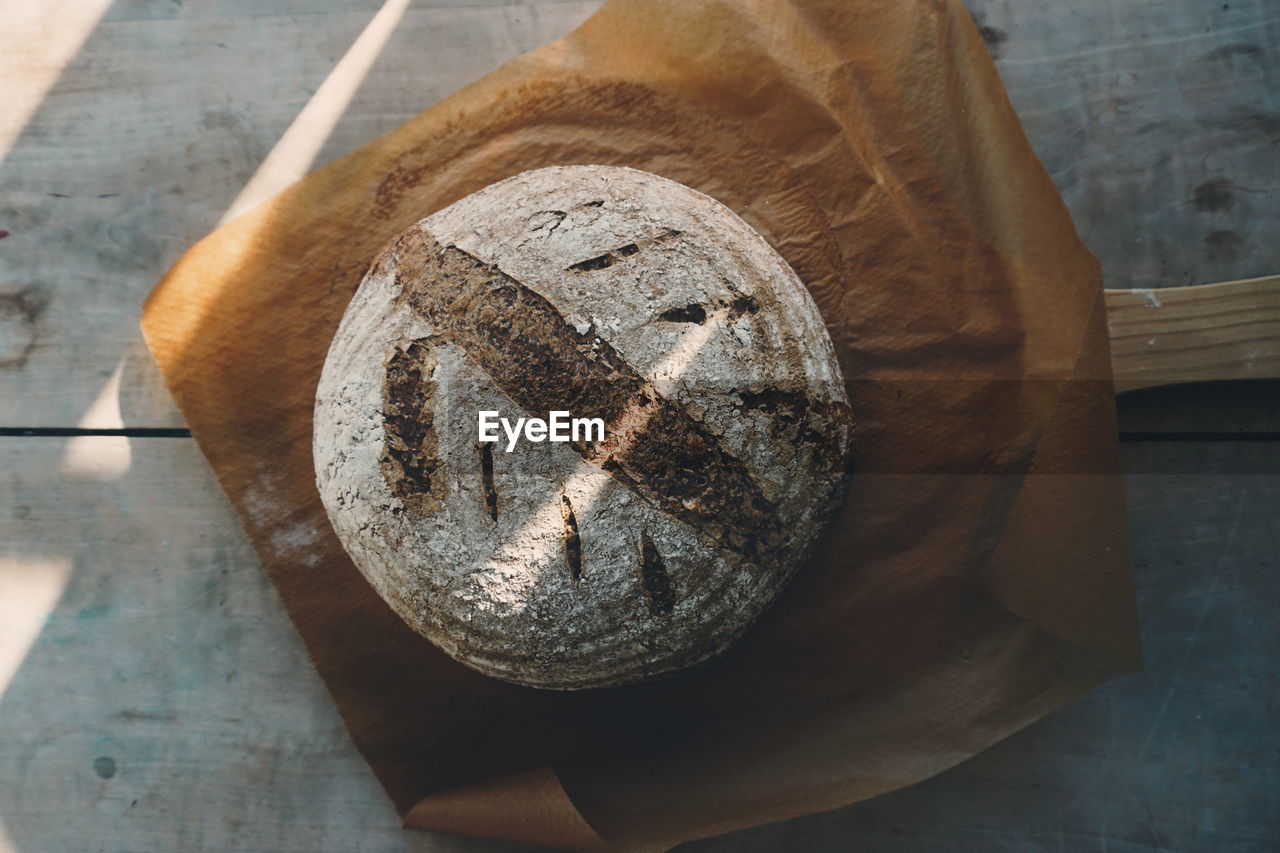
614,296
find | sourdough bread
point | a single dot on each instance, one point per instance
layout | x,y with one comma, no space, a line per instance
610,294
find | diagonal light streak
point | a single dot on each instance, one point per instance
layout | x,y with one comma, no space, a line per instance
99,458
586,482
29,590
37,42
297,148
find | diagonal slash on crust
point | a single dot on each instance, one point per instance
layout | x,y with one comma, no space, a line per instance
651,445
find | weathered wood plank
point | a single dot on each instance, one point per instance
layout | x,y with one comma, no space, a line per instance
165,702
1158,120
1229,330
148,136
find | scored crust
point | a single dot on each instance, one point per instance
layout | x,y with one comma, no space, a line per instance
610,293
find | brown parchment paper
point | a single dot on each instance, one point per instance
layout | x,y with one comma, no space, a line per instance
978,575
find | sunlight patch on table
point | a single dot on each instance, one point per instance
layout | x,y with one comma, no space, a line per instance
29,590
37,42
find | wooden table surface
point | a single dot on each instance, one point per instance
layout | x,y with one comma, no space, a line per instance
153,696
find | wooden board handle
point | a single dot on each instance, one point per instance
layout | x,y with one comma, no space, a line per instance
1169,335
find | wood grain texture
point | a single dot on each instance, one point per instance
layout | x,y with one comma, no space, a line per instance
167,704
1159,122
1229,330
147,137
